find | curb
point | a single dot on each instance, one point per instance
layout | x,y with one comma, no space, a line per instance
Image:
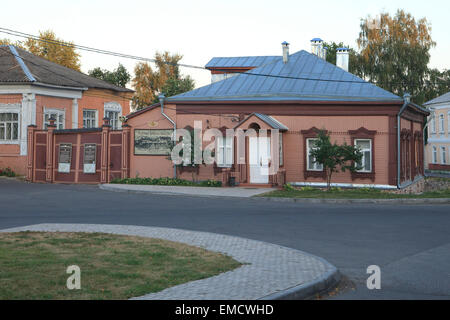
405,201
308,290
360,201
326,279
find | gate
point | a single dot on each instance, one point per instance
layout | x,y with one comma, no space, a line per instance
95,155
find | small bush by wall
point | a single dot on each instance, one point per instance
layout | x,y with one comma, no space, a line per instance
8,172
168,182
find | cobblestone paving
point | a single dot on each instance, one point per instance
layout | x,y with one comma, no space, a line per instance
267,269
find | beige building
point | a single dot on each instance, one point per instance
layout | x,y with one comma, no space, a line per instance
437,149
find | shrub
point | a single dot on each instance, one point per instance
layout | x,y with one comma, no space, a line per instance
166,182
307,189
288,187
8,172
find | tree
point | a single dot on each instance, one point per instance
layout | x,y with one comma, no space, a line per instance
167,78
395,52
53,49
354,57
118,76
335,157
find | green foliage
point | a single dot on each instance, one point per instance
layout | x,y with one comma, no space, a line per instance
334,157
395,51
174,86
7,172
354,64
167,182
308,189
288,187
119,76
167,79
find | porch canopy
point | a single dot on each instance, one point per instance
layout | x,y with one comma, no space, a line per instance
263,121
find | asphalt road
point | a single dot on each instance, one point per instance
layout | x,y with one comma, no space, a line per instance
411,244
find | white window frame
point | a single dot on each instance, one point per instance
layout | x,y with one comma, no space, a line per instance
448,122
434,154
11,141
315,165
363,157
441,123
443,155
96,117
224,150
113,106
433,123
58,112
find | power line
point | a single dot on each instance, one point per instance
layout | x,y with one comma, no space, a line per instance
139,58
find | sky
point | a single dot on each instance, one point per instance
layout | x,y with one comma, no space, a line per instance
202,29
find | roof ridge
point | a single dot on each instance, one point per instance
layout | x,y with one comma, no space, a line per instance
57,65
21,63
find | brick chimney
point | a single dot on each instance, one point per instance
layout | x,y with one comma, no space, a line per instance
285,47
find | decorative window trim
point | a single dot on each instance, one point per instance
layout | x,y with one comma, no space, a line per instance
441,123
13,108
364,134
443,150
434,155
58,112
113,107
433,123
310,134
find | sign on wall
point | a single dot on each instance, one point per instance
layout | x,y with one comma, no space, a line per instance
65,157
90,155
152,142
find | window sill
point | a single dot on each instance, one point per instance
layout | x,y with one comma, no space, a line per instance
9,142
314,174
363,175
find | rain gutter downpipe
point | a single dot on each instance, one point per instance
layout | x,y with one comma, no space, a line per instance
161,101
407,100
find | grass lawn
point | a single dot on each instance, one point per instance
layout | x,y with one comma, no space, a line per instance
33,265
351,194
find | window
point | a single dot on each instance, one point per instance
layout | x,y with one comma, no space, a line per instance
113,117
434,154
443,155
441,123
448,122
433,123
365,145
89,118
224,151
312,165
58,115
9,126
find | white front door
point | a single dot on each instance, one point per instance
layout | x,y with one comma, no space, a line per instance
259,155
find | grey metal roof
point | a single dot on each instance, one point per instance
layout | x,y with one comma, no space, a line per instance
441,99
229,62
271,121
304,77
22,67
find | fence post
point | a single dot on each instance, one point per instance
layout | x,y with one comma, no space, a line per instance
126,130
50,147
30,153
104,176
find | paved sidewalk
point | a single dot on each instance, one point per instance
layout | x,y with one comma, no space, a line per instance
192,191
269,271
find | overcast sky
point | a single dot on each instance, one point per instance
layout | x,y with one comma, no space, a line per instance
202,29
